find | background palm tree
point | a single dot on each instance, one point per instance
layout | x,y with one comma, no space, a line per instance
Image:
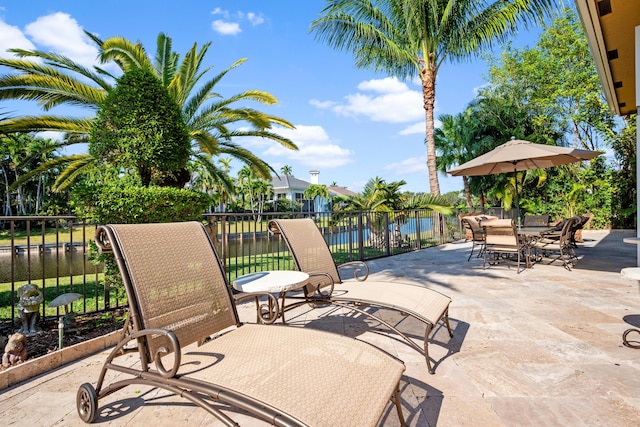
412,38
213,121
457,141
286,170
316,192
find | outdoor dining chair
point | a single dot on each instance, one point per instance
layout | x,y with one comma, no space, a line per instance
178,296
556,246
472,225
502,243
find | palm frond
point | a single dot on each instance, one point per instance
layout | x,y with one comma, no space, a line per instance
71,125
166,60
197,100
126,54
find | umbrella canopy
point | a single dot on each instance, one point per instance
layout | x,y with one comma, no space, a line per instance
519,155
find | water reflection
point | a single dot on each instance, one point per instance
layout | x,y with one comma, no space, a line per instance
49,264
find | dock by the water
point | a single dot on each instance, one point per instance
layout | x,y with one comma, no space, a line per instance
22,249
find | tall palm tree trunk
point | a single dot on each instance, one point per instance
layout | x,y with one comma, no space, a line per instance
7,206
467,193
429,98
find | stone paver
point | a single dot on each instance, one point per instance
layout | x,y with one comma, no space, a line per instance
539,348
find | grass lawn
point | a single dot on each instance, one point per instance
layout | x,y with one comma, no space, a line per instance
53,287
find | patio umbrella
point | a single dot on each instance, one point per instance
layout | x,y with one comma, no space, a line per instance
518,155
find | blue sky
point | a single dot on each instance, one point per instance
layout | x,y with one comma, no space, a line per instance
351,124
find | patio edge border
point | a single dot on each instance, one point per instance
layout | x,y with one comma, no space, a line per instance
34,367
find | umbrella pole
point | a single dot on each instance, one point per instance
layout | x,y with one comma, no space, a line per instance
515,176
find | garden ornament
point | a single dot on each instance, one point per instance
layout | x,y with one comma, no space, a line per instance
15,352
29,300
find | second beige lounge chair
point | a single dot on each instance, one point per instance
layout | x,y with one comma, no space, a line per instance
311,254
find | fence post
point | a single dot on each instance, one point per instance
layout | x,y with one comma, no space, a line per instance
360,237
387,234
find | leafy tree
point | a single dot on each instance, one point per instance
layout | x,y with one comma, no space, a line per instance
624,190
379,196
22,193
214,122
557,82
139,126
458,141
548,94
315,192
412,38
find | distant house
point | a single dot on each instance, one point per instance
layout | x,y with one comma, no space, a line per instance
291,188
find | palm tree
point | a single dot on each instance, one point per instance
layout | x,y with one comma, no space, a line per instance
379,196
245,176
412,38
286,170
226,192
212,120
316,192
457,141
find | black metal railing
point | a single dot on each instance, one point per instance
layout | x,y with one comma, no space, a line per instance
53,252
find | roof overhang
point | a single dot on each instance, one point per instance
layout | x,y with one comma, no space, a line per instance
610,26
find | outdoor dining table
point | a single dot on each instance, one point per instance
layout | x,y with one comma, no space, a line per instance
530,234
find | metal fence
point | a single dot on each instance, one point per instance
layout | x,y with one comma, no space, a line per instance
53,252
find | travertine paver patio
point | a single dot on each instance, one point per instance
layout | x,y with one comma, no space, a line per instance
540,348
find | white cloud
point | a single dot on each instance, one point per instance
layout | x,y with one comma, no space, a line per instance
230,26
49,134
62,34
220,11
323,105
255,19
391,102
413,129
386,85
11,37
315,148
409,166
226,28
418,128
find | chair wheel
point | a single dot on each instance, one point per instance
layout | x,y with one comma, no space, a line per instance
87,403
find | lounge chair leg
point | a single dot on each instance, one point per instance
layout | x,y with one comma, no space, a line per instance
426,349
446,322
626,342
398,403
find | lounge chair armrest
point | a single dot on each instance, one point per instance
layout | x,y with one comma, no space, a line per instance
358,268
174,343
102,240
329,282
268,310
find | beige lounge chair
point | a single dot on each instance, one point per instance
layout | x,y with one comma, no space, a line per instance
311,254
503,242
178,296
472,226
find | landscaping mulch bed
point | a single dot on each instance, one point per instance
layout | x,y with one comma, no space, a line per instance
87,327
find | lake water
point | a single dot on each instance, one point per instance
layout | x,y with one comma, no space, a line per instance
62,263
52,263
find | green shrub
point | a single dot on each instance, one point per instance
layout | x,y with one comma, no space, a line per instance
113,204
105,204
140,127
